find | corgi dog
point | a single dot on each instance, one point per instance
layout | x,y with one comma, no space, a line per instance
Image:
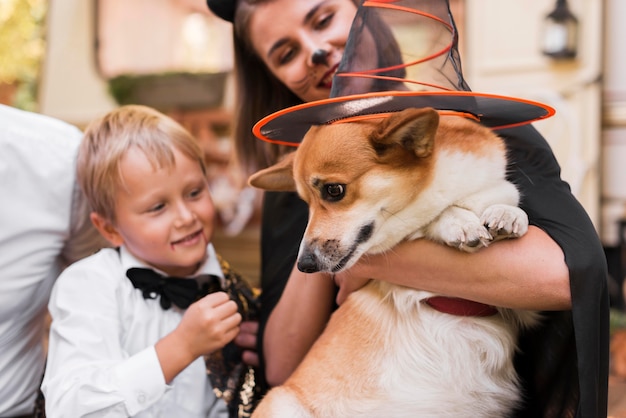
388,350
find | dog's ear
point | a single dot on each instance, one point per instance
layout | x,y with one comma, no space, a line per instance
277,178
413,129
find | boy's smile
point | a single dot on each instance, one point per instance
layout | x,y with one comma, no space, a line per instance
189,240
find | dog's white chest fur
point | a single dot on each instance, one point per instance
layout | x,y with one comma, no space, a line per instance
385,352
375,360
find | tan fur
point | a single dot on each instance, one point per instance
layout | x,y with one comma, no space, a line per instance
370,185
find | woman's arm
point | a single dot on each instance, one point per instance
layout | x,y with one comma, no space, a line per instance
523,273
295,323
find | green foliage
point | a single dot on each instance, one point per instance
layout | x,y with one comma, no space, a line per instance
22,43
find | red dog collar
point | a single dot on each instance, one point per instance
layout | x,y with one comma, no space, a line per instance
460,307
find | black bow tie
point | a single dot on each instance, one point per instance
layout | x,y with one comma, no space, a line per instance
181,292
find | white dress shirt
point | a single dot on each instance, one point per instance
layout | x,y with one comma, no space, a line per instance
44,225
101,356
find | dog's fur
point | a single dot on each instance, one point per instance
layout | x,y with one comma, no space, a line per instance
385,353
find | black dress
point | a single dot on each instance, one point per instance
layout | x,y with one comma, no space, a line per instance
564,362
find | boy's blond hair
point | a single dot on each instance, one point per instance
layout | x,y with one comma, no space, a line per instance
107,139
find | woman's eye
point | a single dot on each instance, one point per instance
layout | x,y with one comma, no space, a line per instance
333,192
286,56
324,21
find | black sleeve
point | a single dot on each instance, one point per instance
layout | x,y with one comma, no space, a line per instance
284,219
564,362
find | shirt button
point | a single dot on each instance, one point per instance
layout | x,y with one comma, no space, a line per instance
141,397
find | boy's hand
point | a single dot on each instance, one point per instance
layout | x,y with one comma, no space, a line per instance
209,324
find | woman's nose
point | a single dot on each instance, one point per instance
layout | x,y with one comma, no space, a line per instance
319,57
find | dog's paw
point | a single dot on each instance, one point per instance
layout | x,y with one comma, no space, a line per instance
505,221
460,228
470,238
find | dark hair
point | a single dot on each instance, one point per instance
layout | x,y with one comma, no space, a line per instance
259,92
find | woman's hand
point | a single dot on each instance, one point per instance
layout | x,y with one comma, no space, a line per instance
349,281
247,339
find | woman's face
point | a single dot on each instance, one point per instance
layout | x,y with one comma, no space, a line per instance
286,33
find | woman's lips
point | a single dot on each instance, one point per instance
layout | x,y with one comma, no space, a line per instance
327,79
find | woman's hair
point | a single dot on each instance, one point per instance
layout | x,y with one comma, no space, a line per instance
259,92
108,139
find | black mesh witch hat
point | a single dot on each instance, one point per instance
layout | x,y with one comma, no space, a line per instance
399,54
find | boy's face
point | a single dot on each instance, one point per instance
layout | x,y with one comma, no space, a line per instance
164,216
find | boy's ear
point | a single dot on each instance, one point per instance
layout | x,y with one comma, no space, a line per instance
277,178
106,229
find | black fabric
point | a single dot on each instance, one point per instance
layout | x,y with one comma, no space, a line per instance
284,219
239,384
564,362
224,9
182,292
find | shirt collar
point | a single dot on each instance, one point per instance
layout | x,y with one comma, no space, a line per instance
210,266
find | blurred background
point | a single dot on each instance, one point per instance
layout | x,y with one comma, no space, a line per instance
77,59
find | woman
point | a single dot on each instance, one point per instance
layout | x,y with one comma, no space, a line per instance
286,52
292,73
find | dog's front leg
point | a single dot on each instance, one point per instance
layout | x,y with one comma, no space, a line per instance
459,228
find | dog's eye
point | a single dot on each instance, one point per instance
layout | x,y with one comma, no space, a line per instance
333,192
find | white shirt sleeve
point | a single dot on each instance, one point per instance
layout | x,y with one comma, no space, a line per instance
141,379
88,371
37,239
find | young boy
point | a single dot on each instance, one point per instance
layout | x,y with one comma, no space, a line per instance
122,342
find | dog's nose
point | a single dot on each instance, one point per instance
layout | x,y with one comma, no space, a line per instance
307,263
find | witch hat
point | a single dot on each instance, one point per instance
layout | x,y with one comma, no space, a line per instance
399,54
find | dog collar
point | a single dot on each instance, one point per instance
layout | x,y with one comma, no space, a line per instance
460,307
